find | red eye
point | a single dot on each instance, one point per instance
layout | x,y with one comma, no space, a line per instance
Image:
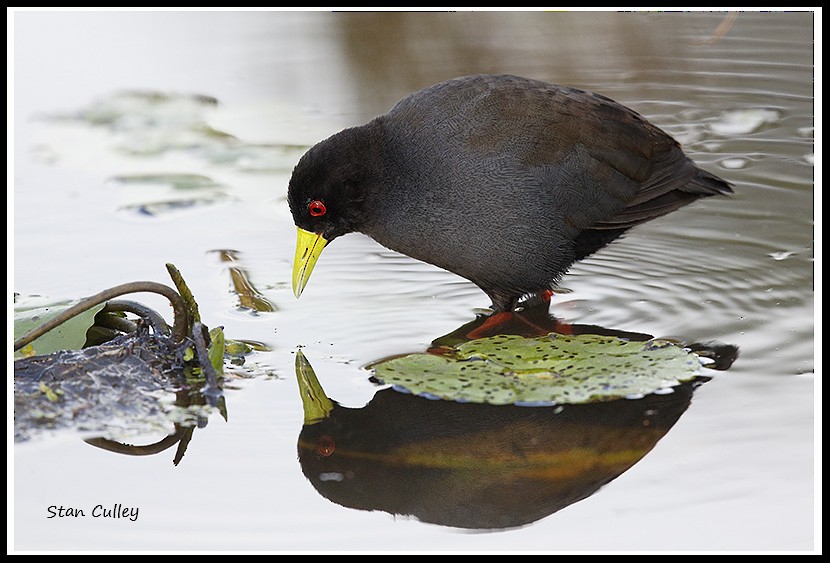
325,445
316,208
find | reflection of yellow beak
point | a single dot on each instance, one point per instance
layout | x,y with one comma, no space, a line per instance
309,247
316,406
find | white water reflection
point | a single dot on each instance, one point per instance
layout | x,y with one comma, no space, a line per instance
742,122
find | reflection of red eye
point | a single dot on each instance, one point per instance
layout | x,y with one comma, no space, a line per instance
325,445
316,208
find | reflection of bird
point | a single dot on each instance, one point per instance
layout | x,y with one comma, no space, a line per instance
503,180
469,465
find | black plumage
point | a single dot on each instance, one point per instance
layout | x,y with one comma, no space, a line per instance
503,180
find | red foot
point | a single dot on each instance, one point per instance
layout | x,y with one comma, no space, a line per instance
533,319
490,325
517,323
564,328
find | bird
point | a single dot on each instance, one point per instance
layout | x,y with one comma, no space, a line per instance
503,180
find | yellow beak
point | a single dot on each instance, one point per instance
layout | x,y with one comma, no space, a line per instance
309,247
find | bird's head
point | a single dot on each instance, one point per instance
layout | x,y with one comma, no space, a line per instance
326,195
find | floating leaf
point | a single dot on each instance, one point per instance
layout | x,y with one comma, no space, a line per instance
159,194
152,123
70,335
556,369
172,181
137,109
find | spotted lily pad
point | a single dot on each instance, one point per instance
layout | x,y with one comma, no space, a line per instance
554,369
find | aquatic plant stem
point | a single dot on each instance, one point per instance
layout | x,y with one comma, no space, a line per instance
181,315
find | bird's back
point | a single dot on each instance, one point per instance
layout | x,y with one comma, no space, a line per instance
549,173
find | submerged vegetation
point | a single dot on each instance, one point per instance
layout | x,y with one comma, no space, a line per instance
110,366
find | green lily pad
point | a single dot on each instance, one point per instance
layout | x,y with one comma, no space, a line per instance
70,335
554,369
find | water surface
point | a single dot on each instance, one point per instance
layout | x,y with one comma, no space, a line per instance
116,114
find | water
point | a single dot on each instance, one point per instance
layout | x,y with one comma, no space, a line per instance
92,166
